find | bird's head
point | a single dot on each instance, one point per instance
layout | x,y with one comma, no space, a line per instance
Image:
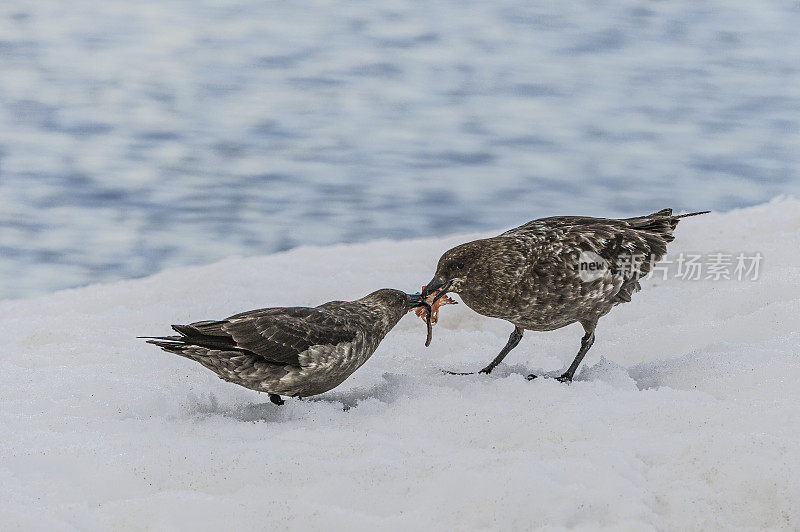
454,269
394,300
394,304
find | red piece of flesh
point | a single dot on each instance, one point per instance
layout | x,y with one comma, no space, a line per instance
444,300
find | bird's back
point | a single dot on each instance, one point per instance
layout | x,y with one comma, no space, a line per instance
550,289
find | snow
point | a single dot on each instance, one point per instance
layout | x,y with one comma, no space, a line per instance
684,415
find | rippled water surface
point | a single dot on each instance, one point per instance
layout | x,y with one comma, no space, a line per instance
136,136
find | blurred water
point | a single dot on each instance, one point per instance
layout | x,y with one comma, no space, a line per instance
138,135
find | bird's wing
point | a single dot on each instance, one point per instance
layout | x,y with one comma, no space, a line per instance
629,249
614,240
629,246
277,335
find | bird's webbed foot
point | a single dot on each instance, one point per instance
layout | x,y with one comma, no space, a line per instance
276,399
488,369
565,378
448,372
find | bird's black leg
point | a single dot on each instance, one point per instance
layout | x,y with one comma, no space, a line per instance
276,399
586,343
513,340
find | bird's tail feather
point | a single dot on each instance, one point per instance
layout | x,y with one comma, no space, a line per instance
692,214
192,337
660,223
662,212
172,344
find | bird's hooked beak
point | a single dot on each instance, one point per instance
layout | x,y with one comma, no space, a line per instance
415,300
438,284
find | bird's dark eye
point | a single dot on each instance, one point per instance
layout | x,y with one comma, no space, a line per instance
459,265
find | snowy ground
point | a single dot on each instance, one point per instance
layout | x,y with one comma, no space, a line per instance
685,415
